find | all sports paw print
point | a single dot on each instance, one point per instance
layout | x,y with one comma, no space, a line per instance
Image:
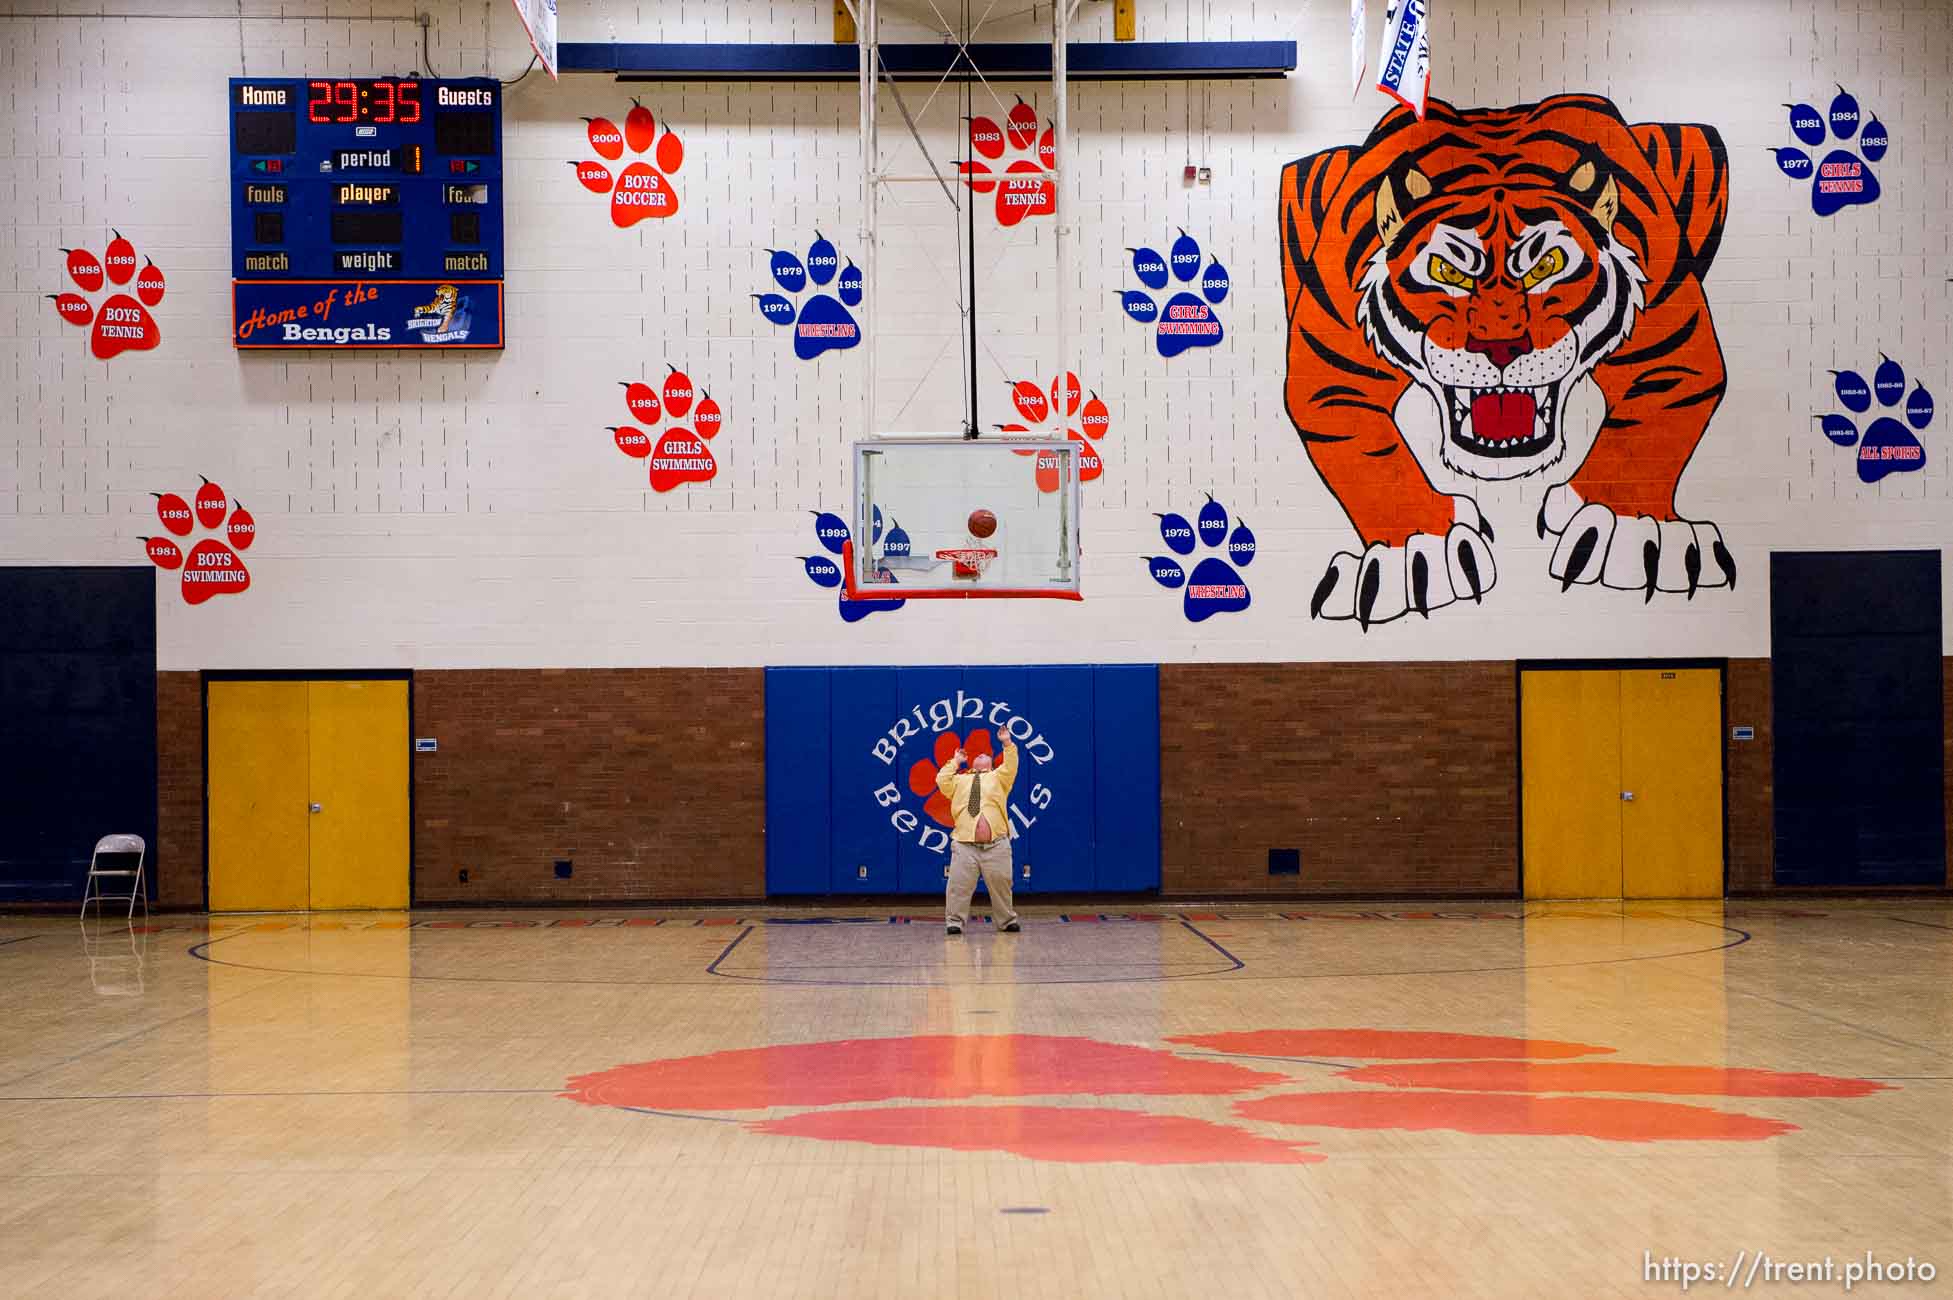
1842,178
1216,586
1036,408
991,1092
678,454
642,190
121,323
1187,319
832,532
821,323
1888,447
922,773
1026,188
213,567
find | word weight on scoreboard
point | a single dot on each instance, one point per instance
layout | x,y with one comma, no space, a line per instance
366,212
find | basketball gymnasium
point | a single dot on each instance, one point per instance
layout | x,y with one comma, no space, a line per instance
974,648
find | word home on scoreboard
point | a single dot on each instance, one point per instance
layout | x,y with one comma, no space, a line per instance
366,213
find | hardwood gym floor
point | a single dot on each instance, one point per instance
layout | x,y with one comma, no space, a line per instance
1239,1100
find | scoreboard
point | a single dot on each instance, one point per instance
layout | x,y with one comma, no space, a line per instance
366,213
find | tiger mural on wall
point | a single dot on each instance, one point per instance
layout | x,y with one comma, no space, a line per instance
1495,259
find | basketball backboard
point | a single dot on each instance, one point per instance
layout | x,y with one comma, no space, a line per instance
916,528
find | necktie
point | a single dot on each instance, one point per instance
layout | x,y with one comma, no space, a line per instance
976,795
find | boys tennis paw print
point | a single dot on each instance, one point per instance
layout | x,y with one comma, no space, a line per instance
678,453
1025,188
821,323
832,533
1186,319
1216,586
1036,408
642,190
1841,179
213,567
1887,447
121,323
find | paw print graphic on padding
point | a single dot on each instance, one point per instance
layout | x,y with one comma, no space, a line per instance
122,323
1026,188
642,190
679,455
213,567
1841,179
1888,447
821,323
1216,586
1187,319
1036,408
832,532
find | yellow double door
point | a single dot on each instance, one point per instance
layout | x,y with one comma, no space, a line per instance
1622,782
308,795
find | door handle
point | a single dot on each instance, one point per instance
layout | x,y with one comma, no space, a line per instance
1627,796
320,807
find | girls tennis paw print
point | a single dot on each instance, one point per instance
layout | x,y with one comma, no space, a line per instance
1036,408
1025,188
1842,178
820,323
922,773
122,323
678,454
1186,320
1888,447
832,533
642,190
1216,586
212,567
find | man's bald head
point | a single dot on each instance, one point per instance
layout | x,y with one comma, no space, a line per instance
981,763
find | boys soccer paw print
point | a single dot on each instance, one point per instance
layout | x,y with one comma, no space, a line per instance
213,566
821,323
1887,447
121,323
1187,319
642,190
1841,179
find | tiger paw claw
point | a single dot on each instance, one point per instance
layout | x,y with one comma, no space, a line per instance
1426,573
1632,552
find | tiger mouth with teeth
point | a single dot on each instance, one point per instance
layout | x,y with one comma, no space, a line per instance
1502,422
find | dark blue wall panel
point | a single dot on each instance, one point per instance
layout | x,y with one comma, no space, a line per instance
921,861
1126,751
799,791
1055,797
863,701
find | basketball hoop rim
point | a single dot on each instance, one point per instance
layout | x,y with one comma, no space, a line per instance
854,591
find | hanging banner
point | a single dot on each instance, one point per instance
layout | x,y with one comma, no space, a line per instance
539,20
1404,56
1359,44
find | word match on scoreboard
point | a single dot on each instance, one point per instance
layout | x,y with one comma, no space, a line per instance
366,213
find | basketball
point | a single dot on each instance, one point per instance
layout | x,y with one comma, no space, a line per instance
982,523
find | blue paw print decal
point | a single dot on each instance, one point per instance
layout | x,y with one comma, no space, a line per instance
1887,447
1187,319
822,323
1842,178
832,532
1216,586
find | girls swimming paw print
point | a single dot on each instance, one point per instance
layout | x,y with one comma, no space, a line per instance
821,323
1187,319
1887,447
1842,178
1216,586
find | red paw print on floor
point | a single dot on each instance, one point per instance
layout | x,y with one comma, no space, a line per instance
679,455
642,190
1465,1083
1026,188
213,567
1035,407
122,323
922,773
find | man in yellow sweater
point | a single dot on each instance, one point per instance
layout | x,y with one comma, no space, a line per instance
981,840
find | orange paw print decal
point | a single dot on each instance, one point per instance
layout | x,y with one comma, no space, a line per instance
643,189
1025,188
1036,408
679,454
922,773
1465,1083
121,323
213,567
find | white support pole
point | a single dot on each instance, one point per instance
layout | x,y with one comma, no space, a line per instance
1064,161
868,33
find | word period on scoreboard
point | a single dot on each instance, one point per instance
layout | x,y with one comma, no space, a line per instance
366,213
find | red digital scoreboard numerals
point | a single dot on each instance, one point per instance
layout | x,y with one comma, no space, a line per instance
384,103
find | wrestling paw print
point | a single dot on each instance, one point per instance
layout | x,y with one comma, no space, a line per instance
922,773
122,323
1026,188
1187,320
1216,587
1841,179
213,567
821,323
679,455
1426,572
1036,408
642,190
1888,447
832,532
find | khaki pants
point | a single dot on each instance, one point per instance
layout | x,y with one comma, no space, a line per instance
965,861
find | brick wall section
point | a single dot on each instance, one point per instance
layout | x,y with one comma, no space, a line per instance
652,781
1749,812
179,790
1390,778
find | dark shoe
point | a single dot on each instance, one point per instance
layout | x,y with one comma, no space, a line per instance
955,929
1012,928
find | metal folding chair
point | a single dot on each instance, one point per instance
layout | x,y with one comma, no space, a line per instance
97,872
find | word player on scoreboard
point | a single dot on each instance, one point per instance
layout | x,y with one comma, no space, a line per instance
366,213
